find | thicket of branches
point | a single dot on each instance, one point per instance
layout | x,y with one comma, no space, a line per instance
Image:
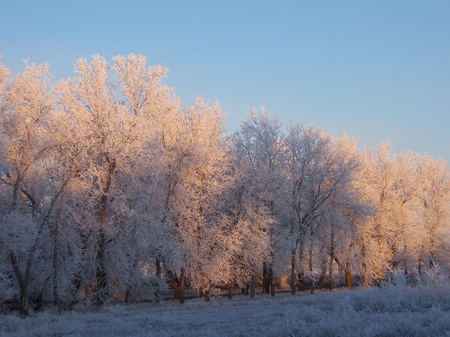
110,187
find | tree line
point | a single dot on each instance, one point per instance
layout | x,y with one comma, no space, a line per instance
110,187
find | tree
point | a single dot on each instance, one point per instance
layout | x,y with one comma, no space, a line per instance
343,213
192,165
380,176
25,111
404,190
433,185
262,142
117,131
247,241
320,167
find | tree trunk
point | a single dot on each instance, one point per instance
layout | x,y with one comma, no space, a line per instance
182,287
177,285
330,272
127,295
23,286
271,282
101,241
264,278
158,267
23,302
252,290
311,273
394,252
348,273
301,280
76,281
420,264
365,278
331,275
55,271
323,273
230,291
348,278
301,274
322,277
293,273
405,248
432,259
100,272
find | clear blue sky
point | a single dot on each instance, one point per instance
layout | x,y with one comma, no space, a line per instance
378,70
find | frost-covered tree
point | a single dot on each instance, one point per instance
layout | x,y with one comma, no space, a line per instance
380,174
192,179
433,190
261,141
320,168
389,238
247,241
26,105
343,212
404,233
109,188
118,132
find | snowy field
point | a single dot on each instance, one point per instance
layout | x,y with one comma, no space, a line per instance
393,311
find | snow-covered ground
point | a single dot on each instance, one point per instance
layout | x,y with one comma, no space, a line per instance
391,311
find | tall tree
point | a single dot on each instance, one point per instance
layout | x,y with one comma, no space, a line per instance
319,167
262,142
117,130
25,111
433,185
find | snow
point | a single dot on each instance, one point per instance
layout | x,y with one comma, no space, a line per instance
391,311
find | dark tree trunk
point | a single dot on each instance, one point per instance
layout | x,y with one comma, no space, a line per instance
310,265
245,290
301,273
265,281
101,241
23,286
182,287
76,281
322,279
293,273
324,261
301,280
253,286
348,272
158,267
420,265
394,251
264,277
177,285
365,278
331,275
405,248
127,296
330,272
230,291
100,272
272,282
348,278
55,272
23,303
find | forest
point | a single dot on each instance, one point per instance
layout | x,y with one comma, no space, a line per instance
111,189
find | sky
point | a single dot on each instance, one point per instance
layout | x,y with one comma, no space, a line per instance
377,70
